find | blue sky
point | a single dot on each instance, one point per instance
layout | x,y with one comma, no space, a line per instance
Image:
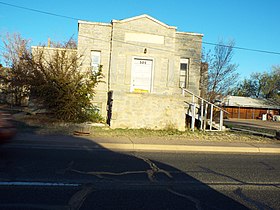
251,23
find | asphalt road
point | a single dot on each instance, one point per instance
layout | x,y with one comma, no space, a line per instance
49,175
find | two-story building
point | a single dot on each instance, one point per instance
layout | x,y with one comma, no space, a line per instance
145,64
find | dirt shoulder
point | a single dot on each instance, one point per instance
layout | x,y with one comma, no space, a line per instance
42,125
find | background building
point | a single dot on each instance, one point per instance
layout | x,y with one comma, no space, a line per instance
249,108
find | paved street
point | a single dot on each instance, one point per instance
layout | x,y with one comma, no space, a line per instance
273,125
79,174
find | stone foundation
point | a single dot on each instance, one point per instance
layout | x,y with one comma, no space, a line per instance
149,111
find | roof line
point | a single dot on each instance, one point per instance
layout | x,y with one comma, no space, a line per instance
93,23
144,16
189,33
53,48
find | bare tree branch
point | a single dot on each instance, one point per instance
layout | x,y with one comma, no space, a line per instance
222,72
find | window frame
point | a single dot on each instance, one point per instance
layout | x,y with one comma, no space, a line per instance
95,60
184,72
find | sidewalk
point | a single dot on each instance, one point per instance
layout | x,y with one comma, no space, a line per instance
137,144
151,144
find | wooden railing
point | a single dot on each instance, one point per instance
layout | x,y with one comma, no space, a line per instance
203,111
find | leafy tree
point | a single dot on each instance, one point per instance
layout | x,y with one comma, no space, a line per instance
250,87
222,72
54,76
271,87
261,85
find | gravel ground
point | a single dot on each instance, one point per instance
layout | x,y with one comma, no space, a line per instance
46,126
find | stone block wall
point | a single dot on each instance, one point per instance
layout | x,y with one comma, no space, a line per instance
150,111
161,49
97,37
188,45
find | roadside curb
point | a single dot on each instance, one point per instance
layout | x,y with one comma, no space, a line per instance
188,148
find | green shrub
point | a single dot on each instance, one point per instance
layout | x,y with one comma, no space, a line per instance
55,77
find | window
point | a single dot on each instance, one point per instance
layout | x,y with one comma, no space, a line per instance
95,60
184,65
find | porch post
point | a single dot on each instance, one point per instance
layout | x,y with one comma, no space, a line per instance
211,117
205,116
221,120
193,116
201,114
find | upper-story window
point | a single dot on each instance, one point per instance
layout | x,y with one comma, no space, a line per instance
184,66
95,60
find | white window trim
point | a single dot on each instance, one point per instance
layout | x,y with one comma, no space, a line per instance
91,60
184,61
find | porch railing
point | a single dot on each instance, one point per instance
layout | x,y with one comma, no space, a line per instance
199,109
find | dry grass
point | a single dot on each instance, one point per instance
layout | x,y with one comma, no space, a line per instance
41,124
167,135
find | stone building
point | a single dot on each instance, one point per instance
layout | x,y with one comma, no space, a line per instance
145,64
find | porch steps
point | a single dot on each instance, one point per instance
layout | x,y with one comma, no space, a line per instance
200,109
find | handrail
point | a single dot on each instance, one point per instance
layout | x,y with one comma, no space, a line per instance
185,90
203,111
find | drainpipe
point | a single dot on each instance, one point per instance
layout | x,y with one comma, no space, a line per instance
110,58
109,91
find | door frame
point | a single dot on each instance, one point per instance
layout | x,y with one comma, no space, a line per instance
152,71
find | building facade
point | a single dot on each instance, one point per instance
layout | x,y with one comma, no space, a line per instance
145,64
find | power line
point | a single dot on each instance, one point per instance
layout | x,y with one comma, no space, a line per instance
38,11
203,42
211,43
242,48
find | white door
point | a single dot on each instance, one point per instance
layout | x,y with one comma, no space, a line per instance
141,75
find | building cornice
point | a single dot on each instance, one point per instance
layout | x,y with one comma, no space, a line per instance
190,33
144,16
94,23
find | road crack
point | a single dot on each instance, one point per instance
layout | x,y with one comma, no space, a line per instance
154,169
247,199
268,166
77,200
208,170
101,174
194,200
151,172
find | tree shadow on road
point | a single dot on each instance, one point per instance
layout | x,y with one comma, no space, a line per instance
103,179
